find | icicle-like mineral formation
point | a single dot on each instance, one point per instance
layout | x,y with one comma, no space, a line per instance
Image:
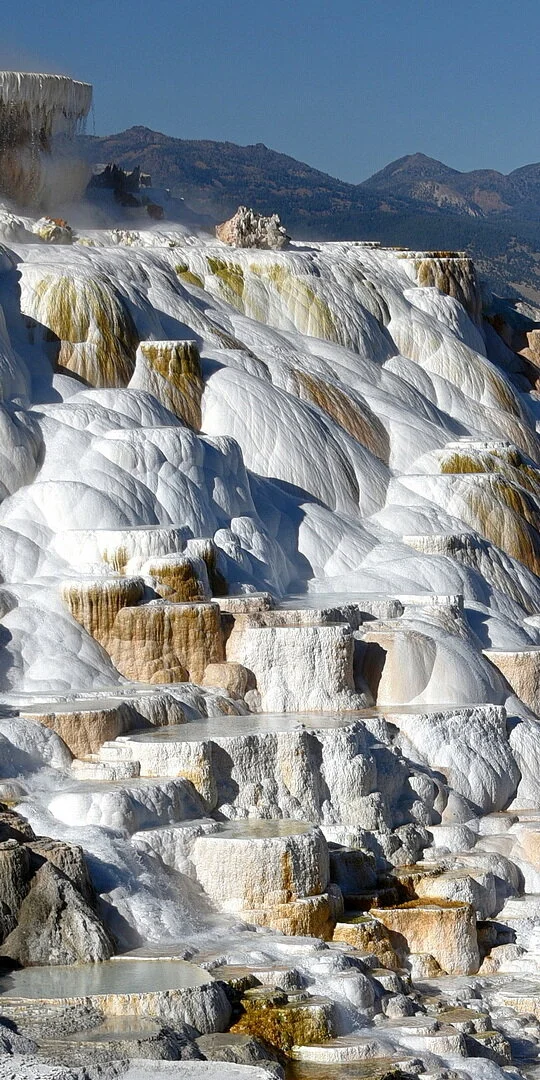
34,109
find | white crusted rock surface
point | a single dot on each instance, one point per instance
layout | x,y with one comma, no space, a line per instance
269,632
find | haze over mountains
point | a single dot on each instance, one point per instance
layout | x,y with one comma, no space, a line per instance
416,200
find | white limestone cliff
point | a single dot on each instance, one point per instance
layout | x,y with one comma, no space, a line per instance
269,633
34,108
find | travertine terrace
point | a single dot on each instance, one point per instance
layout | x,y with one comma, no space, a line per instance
34,109
269,654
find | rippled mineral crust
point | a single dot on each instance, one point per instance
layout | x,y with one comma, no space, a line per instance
269,648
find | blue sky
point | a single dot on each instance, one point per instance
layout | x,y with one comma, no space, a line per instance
346,85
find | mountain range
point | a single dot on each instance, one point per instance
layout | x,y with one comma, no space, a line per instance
415,201
480,193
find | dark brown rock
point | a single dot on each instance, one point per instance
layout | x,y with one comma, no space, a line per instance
56,925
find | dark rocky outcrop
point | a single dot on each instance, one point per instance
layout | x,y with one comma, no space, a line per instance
56,925
241,1050
12,1041
47,904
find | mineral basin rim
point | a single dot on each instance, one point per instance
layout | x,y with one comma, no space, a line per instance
70,96
118,691
134,528
262,829
242,726
53,708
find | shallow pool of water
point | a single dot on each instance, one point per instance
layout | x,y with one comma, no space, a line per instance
109,977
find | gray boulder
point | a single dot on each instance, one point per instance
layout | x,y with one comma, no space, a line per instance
241,1050
56,925
69,858
11,1042
47,903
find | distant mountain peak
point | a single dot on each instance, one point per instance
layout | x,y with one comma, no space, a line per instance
418,158
412,167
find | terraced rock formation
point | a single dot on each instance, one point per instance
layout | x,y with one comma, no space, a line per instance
269,633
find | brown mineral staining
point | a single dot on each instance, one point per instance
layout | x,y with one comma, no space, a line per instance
178,578
95,602
85,730
157,642
162,642
356,418
367,934
521,669
171,370
505,514
204,548
444,928
504,460
116,558
311,916
288,882
368,1069
233,678
452,274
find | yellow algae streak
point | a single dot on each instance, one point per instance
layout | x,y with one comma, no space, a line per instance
175,377
98,338
231,278
507,462
185,274
311,314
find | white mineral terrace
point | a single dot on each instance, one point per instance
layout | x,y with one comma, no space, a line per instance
34,109
269,652
46,94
